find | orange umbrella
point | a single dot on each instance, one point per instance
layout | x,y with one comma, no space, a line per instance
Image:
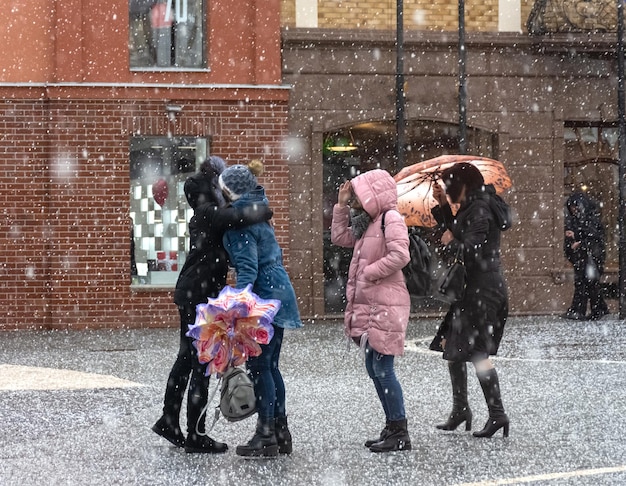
415,196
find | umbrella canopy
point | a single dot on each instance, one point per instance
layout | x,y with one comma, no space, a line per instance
415,182
230,328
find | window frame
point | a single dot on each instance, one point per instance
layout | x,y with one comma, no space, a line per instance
159,216
149,52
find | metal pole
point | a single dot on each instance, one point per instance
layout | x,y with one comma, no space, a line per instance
622,156
462,82
400,122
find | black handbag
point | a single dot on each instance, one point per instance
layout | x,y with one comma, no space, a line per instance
452,284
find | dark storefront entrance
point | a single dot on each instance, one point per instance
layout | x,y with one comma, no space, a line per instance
352,150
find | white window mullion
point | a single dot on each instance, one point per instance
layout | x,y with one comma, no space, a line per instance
306,13
509,16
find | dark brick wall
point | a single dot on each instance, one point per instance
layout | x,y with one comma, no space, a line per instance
521,89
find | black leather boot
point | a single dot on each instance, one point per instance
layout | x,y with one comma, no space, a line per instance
203,444
460,407
497,417
283,436
168,428
263,443
383,435
168,425
397,440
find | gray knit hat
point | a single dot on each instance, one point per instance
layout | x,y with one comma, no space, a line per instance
236,181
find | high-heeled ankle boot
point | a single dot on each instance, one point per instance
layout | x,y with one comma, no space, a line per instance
460,408
497,417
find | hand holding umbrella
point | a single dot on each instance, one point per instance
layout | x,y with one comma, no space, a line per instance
439,194
419,189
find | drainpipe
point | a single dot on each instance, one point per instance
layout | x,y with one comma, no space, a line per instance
622,156
462,82
400,123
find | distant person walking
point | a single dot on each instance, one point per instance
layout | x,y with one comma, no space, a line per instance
378,303
472,328
585,248
258,260
203,275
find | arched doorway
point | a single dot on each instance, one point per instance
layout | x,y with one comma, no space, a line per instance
351,150
591,166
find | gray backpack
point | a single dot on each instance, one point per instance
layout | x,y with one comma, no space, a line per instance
237,400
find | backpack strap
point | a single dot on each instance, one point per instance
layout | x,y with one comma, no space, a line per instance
382,221
206,408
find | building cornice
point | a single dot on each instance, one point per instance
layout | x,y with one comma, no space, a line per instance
566,43
143,91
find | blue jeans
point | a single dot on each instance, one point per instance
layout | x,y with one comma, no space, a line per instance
269,386
380,369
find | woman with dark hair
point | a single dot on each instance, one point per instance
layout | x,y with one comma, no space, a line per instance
472,328
203,275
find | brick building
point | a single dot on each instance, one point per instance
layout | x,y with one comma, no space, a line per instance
98,102
101,102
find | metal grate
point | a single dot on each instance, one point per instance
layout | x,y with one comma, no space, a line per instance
553,16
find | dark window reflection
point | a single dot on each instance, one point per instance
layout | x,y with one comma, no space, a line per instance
350,151
166,34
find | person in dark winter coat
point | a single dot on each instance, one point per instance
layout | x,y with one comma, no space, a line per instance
257,258
584,247
378,302
203,275
472,328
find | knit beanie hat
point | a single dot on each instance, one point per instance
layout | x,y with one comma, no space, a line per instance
238,180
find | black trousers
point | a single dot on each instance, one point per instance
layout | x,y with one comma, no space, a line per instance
187,371
586,291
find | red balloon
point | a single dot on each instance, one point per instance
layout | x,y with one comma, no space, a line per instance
160,191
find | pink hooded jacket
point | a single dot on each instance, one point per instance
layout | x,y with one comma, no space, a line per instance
378,303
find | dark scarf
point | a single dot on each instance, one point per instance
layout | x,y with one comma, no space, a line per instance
359,221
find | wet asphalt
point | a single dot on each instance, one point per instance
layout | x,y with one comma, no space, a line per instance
563,386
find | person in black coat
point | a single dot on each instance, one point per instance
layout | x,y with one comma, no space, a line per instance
203,275
585,248
472,328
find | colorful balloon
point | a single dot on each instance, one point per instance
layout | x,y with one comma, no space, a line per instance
160,191
229,328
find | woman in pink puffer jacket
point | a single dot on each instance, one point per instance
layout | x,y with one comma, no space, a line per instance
378,303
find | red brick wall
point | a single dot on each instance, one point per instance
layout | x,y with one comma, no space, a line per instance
87,41
64,177
24,185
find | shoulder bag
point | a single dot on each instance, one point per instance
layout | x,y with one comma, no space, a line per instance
451,288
